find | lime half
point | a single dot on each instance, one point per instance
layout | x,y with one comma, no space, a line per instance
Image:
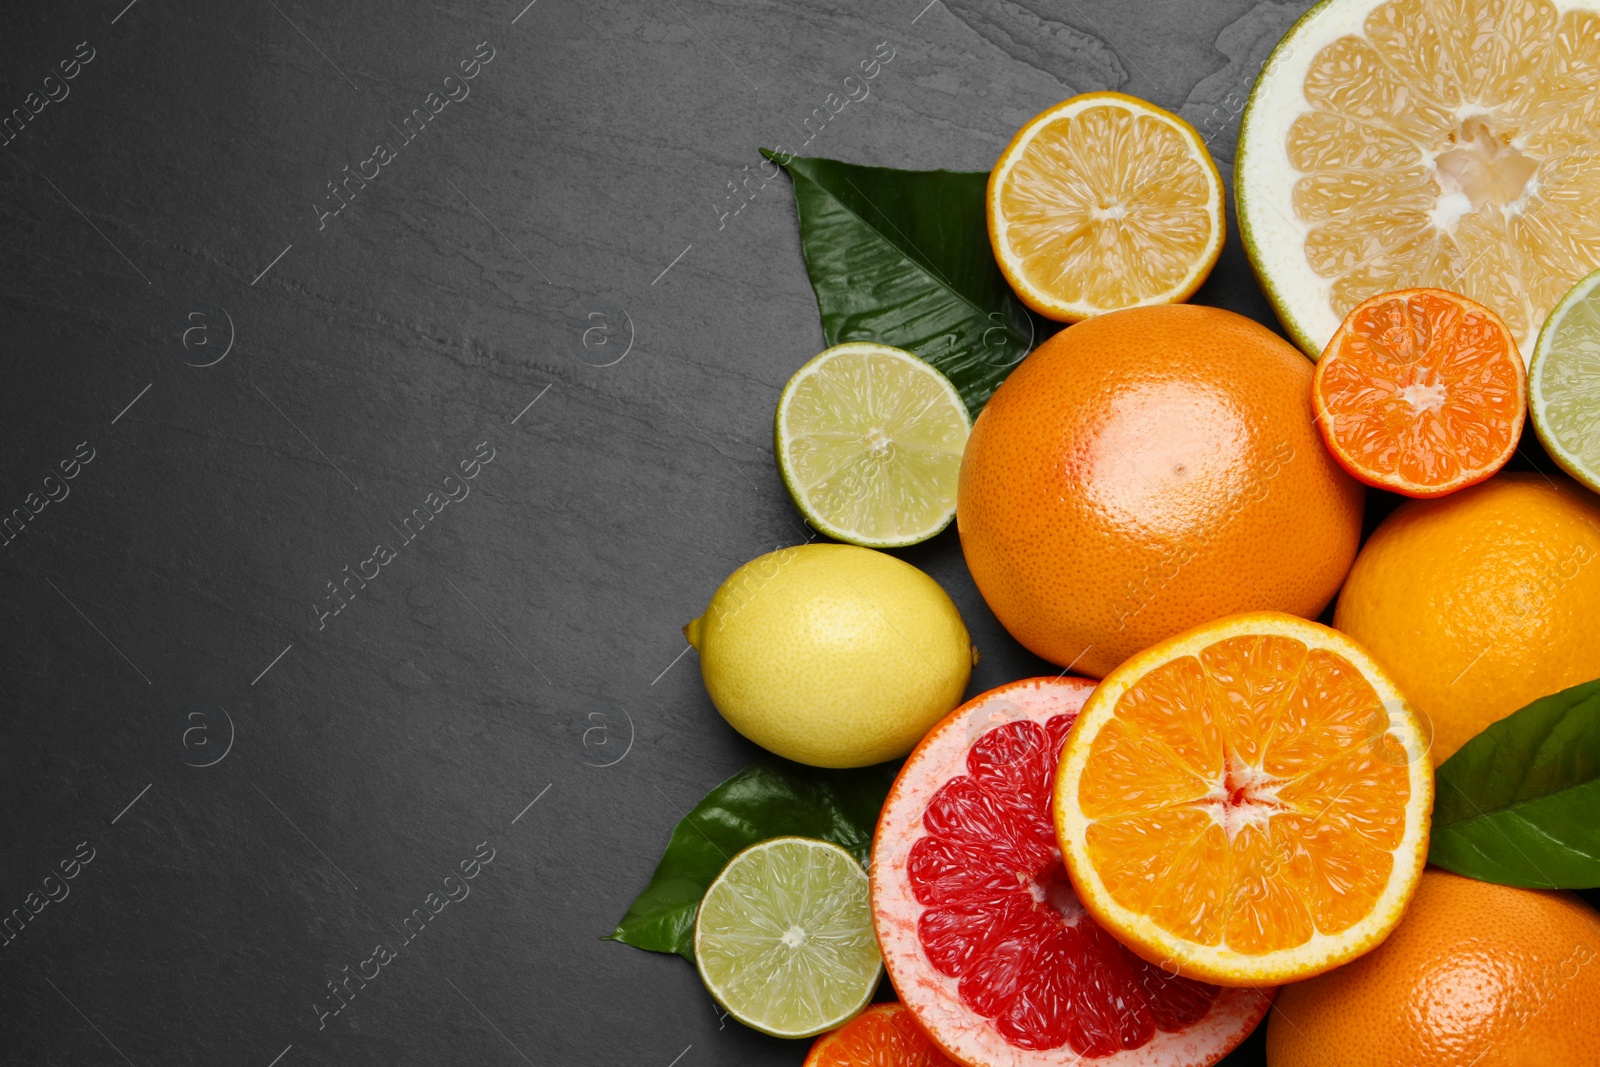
869,441
1564,382
784,937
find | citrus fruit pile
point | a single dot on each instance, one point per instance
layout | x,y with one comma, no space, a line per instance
1221,808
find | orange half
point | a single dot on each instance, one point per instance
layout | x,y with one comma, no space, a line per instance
1422,392
1105,202
1246,803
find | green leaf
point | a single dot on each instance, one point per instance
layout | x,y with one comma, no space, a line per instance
902,257
772,798
1520,803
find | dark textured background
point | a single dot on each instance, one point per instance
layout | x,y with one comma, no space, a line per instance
526,646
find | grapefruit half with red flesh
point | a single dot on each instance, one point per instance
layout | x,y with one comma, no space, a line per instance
981,932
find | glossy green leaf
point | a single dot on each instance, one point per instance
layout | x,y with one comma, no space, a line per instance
773,798
902,257
1520,803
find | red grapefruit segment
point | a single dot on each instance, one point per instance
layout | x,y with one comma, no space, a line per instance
981,932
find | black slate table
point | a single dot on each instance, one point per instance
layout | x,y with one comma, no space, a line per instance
385,384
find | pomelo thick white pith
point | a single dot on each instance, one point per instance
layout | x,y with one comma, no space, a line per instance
783,938
966,877
1564,383
1450,144
869,441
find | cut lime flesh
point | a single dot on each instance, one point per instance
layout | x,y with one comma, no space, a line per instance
1564,383
784,937
869,441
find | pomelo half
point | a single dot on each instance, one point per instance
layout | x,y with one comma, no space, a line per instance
981,932
1405,144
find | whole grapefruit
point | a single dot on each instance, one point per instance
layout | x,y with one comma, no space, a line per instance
1481,602
1147,471
1475,974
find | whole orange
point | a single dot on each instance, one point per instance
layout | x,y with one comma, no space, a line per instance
1146,471
1475,975
1482,601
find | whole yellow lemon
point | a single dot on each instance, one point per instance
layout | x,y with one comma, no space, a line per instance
832,655
1481,601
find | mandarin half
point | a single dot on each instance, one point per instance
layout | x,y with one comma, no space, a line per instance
1146,471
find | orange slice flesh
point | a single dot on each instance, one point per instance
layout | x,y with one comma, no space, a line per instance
1105,202
1246,803
1422,392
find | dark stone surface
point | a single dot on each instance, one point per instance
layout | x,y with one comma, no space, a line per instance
266,798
